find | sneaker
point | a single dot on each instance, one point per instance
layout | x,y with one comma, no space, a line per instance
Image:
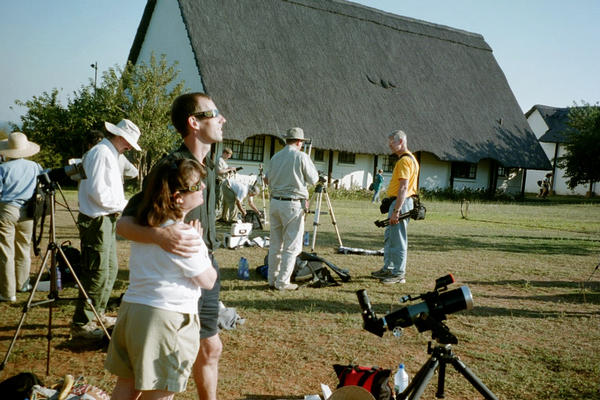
108,322
381,273
11,299
393,279
289,286
89,331
26,288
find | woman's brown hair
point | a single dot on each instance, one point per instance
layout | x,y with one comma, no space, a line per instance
171,175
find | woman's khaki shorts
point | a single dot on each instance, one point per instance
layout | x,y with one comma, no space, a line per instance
154,347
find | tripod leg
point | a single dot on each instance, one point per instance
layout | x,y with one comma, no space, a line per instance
333,221
87,298
316,220
441,379
26,308
417,386
473,380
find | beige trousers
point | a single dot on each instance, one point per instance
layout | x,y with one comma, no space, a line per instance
15,254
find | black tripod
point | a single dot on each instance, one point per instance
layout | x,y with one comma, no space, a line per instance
320,189
51,253
441,355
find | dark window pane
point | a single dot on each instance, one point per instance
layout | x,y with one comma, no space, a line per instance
249,150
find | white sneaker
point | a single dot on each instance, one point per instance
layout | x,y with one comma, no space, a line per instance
108,322
11,299
289,286
89,331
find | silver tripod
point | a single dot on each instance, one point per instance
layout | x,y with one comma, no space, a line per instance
51,253
261,181
320,189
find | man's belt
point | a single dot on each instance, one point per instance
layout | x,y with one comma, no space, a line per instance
285,198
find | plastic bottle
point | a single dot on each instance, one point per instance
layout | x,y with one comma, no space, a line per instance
306,238
400,379
58,279
243,269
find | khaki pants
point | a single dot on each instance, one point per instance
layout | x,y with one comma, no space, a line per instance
287,226
15,249
99,265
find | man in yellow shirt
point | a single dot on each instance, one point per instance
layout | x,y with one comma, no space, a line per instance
403,185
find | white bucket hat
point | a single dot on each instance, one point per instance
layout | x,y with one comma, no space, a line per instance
127,130
17,146
294,133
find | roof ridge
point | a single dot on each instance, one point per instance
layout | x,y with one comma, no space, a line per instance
320,7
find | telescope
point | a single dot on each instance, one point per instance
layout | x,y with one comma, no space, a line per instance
73,171
426,315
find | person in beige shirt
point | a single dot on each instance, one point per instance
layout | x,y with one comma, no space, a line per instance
289,173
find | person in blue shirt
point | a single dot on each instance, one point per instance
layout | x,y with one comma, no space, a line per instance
18,178
377,186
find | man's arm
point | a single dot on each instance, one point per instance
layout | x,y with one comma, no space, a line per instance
252,206
240,207
402,189
175,238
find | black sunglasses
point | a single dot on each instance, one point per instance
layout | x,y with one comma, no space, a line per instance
207,114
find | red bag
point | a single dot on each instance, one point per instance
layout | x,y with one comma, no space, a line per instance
374,379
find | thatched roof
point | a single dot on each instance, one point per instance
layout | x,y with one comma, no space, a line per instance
556,118
349,74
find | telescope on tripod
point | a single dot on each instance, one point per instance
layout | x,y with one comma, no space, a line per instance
320,190
46,193
428,316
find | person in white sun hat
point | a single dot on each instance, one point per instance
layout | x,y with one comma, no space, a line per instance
18,178
101,200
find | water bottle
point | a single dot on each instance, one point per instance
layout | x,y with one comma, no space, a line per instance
306,238
243,269
400,380
58,279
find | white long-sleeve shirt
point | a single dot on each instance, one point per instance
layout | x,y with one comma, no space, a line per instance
101,193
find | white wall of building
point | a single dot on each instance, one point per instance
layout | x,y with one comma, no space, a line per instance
539,127
435,174
168,36
481,181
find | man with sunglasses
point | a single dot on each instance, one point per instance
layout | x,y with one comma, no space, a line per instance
200,124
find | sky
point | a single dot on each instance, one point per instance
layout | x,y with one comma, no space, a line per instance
549,50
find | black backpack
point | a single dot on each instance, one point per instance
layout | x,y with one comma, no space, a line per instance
19,387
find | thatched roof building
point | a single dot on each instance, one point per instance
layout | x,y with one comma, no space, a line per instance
556,119
349,74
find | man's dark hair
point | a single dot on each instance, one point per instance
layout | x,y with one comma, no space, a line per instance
184,106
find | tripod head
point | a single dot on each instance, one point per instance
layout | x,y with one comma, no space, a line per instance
426,315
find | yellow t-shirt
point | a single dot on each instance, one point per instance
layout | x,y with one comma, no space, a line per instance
406,168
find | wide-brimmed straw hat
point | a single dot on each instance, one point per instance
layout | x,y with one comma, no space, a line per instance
351,393
17,146
127,130
294,133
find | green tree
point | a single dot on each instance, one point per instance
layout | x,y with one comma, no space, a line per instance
581,161
46,123
142,93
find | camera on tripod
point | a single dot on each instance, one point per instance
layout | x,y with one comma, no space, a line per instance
426,315
73,171
322,177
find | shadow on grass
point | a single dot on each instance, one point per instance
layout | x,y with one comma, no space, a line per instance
541,284
572,298
541,245
514,312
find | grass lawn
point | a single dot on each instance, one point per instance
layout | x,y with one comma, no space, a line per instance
534,331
